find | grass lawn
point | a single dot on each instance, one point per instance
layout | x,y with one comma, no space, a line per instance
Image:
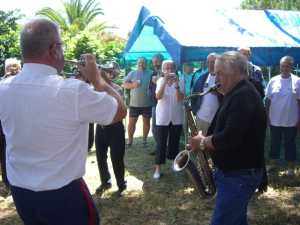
172,200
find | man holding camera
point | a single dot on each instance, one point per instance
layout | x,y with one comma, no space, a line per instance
45,121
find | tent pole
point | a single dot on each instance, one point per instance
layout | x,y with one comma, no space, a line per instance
269,72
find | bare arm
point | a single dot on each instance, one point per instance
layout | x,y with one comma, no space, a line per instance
121,111
130,85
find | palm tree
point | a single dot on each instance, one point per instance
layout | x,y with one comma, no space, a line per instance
76,15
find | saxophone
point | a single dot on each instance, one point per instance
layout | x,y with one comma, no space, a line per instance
196,163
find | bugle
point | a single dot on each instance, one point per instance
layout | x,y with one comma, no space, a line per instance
110,67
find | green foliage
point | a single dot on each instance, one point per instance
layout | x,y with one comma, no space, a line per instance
87,42
82,33
76,15
9,36
271,4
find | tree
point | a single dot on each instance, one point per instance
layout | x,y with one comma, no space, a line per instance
9,36
82,33
271,4
76,15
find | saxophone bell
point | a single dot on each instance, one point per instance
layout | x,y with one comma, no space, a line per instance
181,160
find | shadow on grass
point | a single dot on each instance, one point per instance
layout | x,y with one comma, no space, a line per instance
278,209
11,219
169,201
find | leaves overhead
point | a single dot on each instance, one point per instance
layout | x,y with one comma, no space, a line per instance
76,15
271,4
9,36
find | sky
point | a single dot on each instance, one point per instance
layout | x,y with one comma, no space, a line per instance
121,13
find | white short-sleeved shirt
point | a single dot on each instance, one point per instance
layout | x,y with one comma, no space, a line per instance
45,121
168,109
283,94
210,102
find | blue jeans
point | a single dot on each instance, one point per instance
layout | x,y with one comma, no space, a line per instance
234,190
289,142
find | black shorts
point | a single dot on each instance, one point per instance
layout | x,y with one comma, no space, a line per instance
136,111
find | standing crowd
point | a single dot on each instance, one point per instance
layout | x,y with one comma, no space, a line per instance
45,122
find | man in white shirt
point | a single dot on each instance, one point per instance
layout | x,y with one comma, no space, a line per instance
205,107
282,104
45,121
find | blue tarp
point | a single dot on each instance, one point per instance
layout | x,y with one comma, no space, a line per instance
271,34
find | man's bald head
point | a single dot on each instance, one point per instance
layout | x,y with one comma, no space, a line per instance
246,51
37,36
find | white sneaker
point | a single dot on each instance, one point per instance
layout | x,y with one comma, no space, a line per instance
156,175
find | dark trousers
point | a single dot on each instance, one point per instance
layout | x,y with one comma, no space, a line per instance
112,136
167,134
69,205
289,142
3,157
91,136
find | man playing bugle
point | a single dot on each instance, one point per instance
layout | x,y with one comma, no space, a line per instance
45,121
235,140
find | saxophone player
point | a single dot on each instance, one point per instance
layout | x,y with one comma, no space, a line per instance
235,140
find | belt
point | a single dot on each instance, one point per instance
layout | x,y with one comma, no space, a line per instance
112,125
243,172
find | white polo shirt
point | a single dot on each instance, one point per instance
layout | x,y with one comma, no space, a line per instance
284,94
210,102
168,109
45,121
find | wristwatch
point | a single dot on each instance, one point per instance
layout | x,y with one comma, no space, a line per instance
202,145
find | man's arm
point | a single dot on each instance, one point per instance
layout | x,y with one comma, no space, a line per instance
130,85
92,74
121,111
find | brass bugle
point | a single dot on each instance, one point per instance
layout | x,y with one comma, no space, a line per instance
109,66
78,62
